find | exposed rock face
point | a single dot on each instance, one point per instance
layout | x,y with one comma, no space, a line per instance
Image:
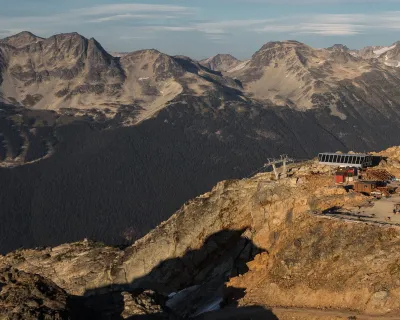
221,62
27,296
21,39
70,71
145,303
392,160
294,258
340,47
30,296
389,56
89,260
64,63
291,73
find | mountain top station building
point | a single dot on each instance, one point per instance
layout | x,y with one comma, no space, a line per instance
356,160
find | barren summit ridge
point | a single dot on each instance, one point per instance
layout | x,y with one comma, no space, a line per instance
221,62
21,39
70,71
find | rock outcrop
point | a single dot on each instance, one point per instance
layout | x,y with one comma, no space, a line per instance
28,296
221,62
21,39
144,304
256,241
391,160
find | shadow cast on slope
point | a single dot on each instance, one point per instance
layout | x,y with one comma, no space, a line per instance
114,184
196,280
242,313
101,183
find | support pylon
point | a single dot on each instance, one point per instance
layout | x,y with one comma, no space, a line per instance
275,171
284,159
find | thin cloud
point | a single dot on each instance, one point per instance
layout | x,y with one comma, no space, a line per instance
128,16
123,8
209,27
316,28
140,20
140,14
330,29
334,24
101,13
320,24
220,27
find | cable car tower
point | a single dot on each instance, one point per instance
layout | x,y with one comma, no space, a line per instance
284,160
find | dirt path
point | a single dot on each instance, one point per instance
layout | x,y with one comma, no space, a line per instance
329,314
260,313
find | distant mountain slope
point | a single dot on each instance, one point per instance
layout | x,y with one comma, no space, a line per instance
21,39
389,55
70,71
221,62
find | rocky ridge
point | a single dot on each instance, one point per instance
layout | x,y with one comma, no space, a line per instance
221,62
255,241
70,71
21,39
27,296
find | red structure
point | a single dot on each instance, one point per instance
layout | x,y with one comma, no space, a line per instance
345,175
340,177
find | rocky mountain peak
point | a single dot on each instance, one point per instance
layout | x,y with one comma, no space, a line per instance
21,39
390,56
292,50
221,62
340,55
72,37
282,44
339,47
96,52
153,63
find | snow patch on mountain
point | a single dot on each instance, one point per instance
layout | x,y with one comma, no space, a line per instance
239,66
119,54
208,60
383,50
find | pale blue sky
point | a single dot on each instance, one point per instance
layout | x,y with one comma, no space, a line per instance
202,28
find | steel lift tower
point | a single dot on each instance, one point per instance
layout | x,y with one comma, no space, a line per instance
284,160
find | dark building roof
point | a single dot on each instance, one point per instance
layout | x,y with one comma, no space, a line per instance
359,160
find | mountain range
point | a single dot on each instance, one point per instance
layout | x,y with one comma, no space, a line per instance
106,146
70,71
